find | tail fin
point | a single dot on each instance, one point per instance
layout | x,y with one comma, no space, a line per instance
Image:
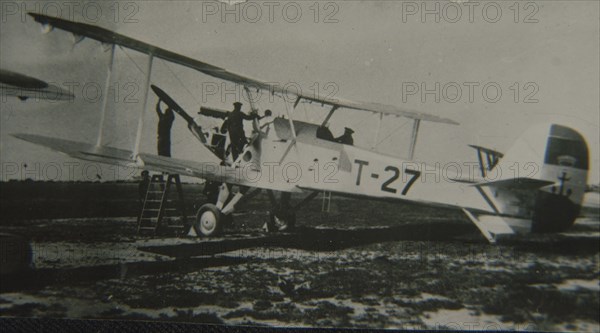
551,153
566,162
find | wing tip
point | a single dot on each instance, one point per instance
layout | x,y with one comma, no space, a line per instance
38,17
32,138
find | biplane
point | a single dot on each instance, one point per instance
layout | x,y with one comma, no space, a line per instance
287,156
25,87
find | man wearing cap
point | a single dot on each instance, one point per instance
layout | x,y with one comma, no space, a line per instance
234,124
143,186
165,122
346,138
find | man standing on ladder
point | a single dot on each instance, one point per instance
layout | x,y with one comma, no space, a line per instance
165,122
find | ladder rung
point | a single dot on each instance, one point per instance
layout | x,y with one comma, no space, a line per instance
158,204
158,210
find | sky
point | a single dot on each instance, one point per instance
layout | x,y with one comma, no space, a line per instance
543,56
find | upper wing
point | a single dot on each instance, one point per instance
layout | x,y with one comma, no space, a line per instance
22,86
378,108
107,36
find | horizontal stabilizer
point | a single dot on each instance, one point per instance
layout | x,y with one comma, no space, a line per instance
523,183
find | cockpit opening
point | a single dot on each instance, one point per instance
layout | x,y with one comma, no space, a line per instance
324,133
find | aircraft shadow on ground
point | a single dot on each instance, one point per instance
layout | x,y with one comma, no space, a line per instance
308,239
312,239
330,239
39,278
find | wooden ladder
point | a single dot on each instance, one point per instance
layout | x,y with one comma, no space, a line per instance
326,205
157,204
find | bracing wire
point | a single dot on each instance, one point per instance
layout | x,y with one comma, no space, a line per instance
392,132
180,82
133,61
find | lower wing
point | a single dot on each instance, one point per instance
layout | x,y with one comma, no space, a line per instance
211,170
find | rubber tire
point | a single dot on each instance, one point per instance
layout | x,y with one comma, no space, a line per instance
287,217
204,229
226,220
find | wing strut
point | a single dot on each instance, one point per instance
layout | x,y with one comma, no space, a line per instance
333,108
253,109
105,97
291,120
138,138
379,120
413,138
292,128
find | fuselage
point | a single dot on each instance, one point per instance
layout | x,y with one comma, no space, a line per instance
313,163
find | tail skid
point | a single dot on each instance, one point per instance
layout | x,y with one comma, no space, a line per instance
491,226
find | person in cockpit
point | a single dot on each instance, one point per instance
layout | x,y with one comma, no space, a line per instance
346,138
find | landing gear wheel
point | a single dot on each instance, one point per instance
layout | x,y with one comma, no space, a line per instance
209,221
281,221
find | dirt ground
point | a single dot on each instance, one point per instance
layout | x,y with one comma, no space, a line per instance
364,264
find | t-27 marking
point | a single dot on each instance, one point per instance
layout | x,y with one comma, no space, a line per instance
395,175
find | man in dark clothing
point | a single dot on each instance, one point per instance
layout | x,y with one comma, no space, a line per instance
165,122
346,138
143,186
218,142
234,124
